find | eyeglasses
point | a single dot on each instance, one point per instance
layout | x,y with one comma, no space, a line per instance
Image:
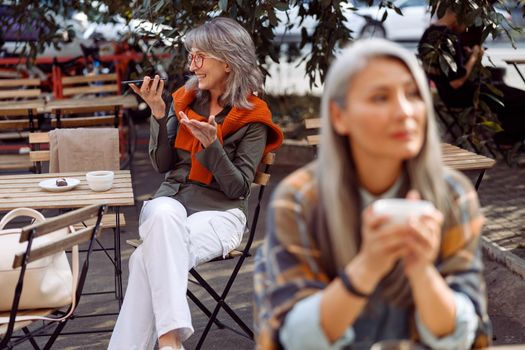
198,59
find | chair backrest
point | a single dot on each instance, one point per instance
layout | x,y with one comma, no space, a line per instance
90,85
87,116
262,178
313,124
12,89
41,151
19,117
40,139
28,234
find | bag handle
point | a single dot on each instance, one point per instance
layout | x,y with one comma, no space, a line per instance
15,213
74,269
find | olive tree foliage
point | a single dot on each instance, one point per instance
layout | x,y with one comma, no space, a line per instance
173,18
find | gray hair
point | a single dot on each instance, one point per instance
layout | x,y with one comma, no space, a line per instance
425,171
227,40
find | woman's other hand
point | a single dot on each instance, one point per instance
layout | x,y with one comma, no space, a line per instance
205,132
422,240
151,92
478,52
382,245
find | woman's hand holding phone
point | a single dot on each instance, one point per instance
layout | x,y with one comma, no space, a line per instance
151,92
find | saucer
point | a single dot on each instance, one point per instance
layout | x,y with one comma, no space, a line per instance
50,184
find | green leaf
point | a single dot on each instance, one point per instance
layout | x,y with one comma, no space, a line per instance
494,90
385,15
494,98
281,6
443,65
398,10
272,17
326,3
491,125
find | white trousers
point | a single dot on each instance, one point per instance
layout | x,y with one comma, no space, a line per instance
173,242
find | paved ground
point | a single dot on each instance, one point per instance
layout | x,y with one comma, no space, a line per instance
502,195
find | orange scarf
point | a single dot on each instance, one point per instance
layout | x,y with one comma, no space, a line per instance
234,120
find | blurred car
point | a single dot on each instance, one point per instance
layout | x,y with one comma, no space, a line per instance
366,21
13,37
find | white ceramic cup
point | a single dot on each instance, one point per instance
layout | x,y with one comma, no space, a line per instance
400,209
395,345
100,180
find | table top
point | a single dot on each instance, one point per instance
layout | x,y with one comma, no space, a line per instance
23,104
126,101
23,191
42,106
514,60
461,159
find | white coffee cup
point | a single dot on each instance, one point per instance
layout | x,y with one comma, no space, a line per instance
400,209
100,180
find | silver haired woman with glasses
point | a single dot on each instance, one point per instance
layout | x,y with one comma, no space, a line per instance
209,145
337,272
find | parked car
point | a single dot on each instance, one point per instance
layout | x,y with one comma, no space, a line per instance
13,37
366,21
415,18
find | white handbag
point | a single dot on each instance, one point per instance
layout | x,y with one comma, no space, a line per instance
48,282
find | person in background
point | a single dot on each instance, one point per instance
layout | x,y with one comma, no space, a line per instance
459,84
332,273
209,145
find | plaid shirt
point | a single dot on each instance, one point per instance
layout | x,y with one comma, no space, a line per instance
290,265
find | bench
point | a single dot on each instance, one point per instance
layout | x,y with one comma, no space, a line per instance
453,156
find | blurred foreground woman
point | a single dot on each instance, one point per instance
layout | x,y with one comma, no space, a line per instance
333,272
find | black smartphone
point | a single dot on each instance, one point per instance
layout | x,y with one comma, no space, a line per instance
137,82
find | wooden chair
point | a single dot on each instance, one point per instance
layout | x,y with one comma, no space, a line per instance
18,117
89,85
96,89
261,180
19,101
40,153
20,89
37,157
83,116
29,234
313,124
17,123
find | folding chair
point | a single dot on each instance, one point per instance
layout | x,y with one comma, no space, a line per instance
53,317
41,140
262,179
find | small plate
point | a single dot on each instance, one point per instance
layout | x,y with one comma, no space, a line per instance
51,184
